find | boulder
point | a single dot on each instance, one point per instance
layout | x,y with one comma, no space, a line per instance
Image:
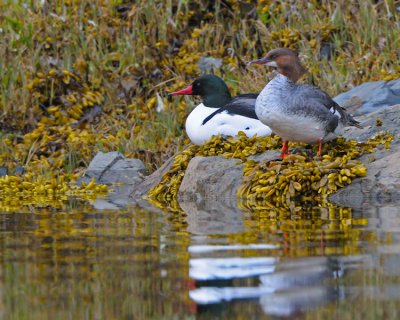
152,180
370,96
211,178
113,167
382,183
216,178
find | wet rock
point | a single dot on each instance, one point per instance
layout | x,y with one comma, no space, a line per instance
113,167
118,198
215,180
370,96
150,181
211,178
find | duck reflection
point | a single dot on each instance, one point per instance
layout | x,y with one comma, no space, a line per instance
283,287
288,262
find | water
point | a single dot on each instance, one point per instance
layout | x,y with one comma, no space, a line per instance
79,262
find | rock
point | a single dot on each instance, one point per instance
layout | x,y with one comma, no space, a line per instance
216,178
150,181
380,186
266,156
326,50
19,170
113,167
118,198
370,96
3,171
382,183
389,117
211,178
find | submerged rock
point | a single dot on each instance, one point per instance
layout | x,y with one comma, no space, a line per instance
211,216
370,96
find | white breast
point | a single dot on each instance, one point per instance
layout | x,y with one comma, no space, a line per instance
271,109
222,123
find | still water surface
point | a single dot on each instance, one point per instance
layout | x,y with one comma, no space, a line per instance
79,262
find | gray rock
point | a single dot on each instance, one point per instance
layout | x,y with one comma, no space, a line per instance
113,167
3,171
216,179
389,117
150,181
382,183
380,186
19,170
117,198
266,156
211,178
370,96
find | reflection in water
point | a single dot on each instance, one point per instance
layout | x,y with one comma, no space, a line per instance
208,261
225,219
285,286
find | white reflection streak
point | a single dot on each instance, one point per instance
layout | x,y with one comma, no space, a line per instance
230,268
214,295
208,248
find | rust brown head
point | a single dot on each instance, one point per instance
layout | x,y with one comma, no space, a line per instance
285,60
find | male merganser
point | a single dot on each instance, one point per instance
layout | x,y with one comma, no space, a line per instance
219,113
298,112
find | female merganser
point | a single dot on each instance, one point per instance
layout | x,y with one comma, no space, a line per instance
219,113
298,112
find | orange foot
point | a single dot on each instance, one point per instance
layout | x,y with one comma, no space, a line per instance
285,150
320,141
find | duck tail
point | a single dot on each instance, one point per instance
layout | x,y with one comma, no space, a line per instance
353,122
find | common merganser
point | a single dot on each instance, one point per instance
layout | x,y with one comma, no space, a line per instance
298,112
219,113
